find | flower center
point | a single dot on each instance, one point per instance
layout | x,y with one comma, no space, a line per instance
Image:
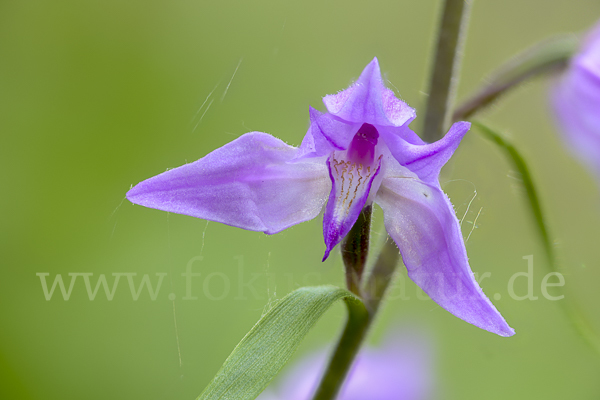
352,183
362,147
353,170
352,174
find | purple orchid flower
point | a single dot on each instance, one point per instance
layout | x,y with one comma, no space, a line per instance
361,151
576,102
401,369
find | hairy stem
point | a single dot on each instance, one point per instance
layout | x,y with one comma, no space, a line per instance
355,249
570,307
376,284
446,66
549,56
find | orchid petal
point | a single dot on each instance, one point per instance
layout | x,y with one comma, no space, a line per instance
369,101
325,135
422,222
589,55
425,160
351,185
402,132
248,183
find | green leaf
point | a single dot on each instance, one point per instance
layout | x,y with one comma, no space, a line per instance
271,342
518,162
569,305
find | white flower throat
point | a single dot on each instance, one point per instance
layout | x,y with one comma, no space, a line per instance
352,171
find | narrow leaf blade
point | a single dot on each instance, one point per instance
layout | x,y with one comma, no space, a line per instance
272,341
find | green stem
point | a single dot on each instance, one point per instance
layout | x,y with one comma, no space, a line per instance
381,275
358,323
446,66
548,56
355,249
347,347
570,307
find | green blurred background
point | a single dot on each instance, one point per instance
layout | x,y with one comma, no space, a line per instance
96,96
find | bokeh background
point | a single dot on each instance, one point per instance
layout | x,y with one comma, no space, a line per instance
96,96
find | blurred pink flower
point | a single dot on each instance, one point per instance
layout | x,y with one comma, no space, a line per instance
400,369
576,102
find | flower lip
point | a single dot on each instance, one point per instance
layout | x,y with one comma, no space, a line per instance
362,147
352,183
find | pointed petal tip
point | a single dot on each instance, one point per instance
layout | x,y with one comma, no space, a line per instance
374,63
371,73
368,100
313,112
490,320
504,331
143,194
508,333
326,255
496,325
128,195
132,194
499,327
459,128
